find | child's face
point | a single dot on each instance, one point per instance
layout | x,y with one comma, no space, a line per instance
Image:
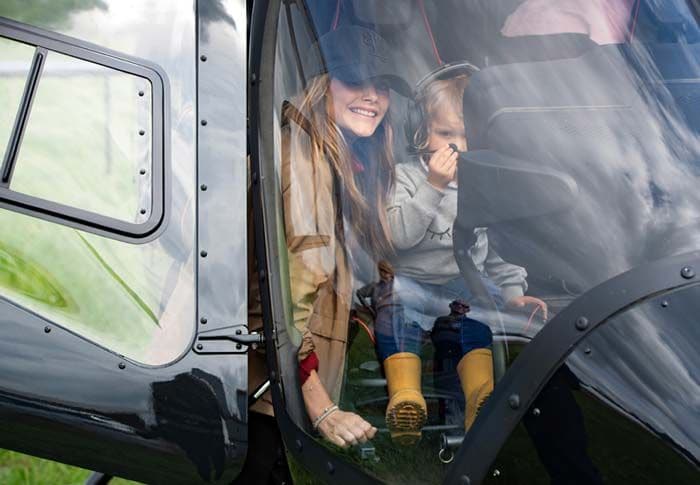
446,127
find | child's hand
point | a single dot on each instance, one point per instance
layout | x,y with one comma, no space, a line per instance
522,301
442,167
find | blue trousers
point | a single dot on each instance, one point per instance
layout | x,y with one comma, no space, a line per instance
404,326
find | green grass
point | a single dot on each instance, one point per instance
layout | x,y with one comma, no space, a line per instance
19,469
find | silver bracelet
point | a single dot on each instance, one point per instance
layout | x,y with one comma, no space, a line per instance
326,412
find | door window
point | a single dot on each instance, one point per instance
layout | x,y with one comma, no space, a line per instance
87,143
85,197
84,137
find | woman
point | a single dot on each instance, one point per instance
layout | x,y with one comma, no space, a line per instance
337,170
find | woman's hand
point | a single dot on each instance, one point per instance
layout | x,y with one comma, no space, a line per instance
522,301
346,429
340,427
442,167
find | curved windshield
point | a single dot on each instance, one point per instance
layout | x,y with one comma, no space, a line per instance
627,390
450,176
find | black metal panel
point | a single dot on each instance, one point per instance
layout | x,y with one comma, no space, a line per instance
183,423
76,217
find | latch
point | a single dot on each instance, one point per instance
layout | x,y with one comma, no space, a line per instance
228,340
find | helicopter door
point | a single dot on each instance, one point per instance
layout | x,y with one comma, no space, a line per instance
122,272
567,198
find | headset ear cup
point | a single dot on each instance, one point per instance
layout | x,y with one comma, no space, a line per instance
414,118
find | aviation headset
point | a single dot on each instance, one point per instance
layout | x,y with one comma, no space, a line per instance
415,116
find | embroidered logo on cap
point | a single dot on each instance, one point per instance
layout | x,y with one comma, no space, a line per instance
371,40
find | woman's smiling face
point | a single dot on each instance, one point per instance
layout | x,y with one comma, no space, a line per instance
358,109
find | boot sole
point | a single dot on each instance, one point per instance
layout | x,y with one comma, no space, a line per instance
405,421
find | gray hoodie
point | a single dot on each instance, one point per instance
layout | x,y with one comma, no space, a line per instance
421,218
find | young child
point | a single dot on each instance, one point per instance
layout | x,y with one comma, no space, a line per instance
421,216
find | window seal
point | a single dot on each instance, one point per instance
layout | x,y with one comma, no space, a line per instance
22,116
76,217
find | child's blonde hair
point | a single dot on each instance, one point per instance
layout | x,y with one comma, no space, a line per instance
435,96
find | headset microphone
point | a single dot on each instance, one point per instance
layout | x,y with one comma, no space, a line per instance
412,150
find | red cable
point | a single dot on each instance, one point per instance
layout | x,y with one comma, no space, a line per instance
336,17
370,334
529,320
430,32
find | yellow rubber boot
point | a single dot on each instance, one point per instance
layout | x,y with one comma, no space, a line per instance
476,375
406,412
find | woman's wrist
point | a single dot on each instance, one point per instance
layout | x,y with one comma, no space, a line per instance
322,417
315,396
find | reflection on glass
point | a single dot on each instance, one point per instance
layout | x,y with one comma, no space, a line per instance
623,408
137,300
538,160
15,61
88,140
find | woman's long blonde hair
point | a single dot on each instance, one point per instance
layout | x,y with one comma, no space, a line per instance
366,191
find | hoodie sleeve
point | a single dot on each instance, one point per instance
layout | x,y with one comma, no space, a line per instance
413,207
510,278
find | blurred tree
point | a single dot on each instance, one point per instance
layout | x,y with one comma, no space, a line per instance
46,13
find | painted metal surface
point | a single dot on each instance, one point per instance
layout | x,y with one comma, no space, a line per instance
100,393
65,400
222,169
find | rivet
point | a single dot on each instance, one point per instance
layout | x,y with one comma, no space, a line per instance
203,253
203,320
587,351
514,401
203,58
460,252
200,346
122,365
255,177
664,303
299,445
239,346
581,323
141,93
536,412
330,467
47,329
142,171
464,480
239,331
496,472
262,274
253,78
688,272
203,187
273,375
203,122
142,211
142,132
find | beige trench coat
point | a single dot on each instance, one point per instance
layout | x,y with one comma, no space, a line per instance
320,280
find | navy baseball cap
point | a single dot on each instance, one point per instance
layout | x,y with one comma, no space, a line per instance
354,55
